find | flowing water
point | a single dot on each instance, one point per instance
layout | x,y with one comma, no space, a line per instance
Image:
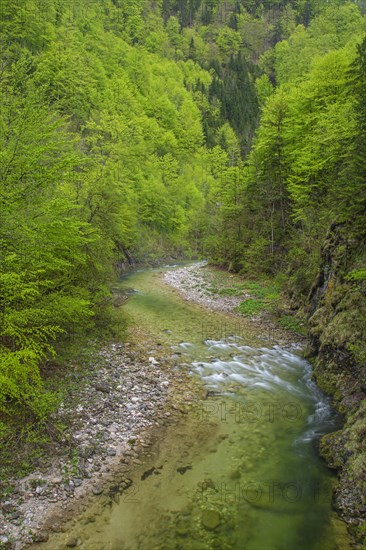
242,471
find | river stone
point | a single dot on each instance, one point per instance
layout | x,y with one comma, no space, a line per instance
56,480
182,530
71,543
210,519
97,490
42,536
86,451
100,386
7,508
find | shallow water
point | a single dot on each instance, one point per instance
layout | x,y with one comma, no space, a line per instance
241,472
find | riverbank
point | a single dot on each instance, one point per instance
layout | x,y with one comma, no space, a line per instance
225,292
116,407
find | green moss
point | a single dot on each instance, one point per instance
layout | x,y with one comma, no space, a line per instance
327,381
362,534
330,445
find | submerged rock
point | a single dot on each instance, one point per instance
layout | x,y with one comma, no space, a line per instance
182,470
210,519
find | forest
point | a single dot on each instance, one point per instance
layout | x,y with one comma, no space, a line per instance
137,131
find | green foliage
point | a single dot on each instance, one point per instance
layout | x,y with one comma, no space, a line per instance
250,307
293,323
268,292
331,30
305,169
31,441
101,148
264,89
266,297
357,275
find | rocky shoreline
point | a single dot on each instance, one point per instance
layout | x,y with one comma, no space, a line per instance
124,397
194,284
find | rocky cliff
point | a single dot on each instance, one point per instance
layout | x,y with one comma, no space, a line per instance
337,320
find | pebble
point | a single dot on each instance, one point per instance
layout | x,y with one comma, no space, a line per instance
42,536
102,388
7,507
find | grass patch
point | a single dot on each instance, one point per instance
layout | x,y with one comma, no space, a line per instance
230,292
264,297
32,443
251,306
213,290
268,293
290,322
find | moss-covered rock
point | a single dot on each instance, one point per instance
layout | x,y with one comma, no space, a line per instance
337,331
